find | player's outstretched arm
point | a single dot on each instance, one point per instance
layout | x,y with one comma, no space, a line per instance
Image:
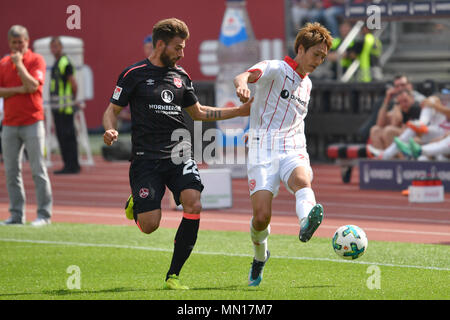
110,124
206,113
241,84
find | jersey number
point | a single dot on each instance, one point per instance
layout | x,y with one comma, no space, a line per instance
190,167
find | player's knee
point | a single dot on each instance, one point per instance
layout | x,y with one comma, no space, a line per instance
261,217
390,131
148,228
298,183
193,207
260,222
147,225
375,131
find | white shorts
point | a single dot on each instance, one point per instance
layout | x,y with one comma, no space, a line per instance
265,173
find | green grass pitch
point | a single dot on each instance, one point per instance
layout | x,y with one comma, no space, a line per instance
119,263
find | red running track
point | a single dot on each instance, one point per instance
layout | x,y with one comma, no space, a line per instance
98,194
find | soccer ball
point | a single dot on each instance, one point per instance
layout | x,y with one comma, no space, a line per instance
350,242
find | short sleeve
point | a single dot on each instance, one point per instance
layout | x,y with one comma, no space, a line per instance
189,97
37,69
266,69
124,88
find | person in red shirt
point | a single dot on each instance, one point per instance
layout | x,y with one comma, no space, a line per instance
21,80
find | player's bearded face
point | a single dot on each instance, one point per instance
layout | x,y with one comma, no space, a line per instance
168,59
172,52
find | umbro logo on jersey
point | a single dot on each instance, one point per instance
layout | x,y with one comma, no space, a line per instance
167,96
150,82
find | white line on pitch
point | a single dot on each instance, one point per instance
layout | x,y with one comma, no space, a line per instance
295,225
102,245
332,215
246,222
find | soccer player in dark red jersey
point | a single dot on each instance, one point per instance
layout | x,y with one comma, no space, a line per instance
157,90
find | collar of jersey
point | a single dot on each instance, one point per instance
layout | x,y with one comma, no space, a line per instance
149,63
293,64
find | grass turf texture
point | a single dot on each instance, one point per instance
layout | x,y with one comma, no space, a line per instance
119,262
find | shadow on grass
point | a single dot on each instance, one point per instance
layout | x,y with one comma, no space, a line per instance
315,287
246,288
66,292
231,288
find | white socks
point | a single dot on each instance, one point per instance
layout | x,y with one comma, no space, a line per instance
425,115
441,147
259,239
304,202
392,150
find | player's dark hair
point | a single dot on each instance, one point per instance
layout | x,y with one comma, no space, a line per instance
168,29
312,34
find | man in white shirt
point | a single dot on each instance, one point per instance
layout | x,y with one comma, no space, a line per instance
277,144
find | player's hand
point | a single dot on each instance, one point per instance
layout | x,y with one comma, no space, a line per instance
110,136
244,110
243,93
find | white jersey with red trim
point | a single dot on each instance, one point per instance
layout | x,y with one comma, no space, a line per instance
280,106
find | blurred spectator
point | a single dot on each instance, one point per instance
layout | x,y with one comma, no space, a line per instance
438,150
148,45
392,123
401,82
368,50
301,10
432,125
328,12
346,59
1,118
124,118
22,75
63,91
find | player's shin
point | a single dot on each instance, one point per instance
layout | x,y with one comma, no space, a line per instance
184,242
304,202
259,239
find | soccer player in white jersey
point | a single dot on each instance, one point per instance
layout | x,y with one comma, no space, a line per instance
277,144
